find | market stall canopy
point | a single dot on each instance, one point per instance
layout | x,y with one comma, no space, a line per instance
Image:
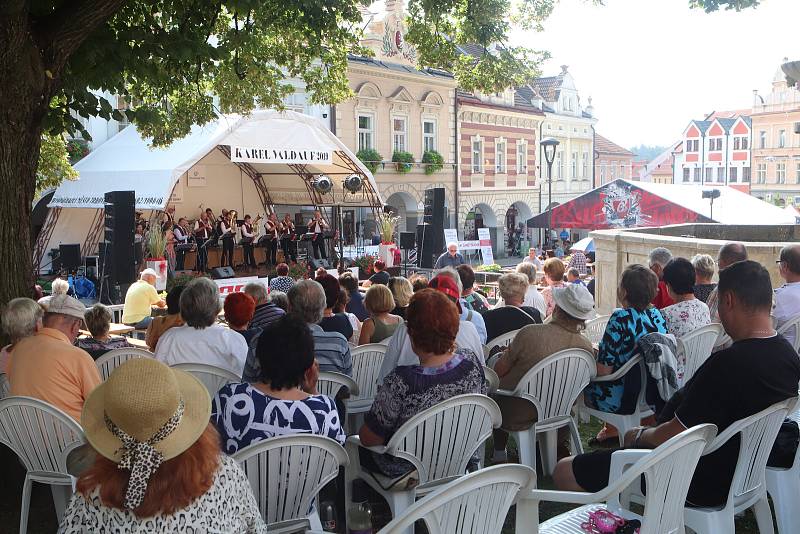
624,204
586,244
285,151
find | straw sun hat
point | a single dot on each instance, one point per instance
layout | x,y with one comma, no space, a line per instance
144,414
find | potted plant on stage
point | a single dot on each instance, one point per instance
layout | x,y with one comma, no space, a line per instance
387,224
156,256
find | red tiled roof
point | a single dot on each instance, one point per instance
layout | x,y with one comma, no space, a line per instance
604,146
732,114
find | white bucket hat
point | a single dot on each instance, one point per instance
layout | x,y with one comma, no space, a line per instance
575,300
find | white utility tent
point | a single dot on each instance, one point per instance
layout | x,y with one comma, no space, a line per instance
247,163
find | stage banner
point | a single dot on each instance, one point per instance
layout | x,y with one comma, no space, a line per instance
232,285
242,154
450,236
486,246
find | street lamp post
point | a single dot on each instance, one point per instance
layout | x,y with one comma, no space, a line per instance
549,145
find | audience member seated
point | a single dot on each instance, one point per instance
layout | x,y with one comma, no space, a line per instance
399,350
158,465
381,323
380,276
333,322
307,302
418,282
341,307
21,318
637,317
578,261
704,268
284,400
471,299
139,299
98,323
514,314
466,314
443,371
533,259
356,304
758,370
787,297
688,313
573,276
266,311
279,299
281,281
401,292
553,277
590,285
47,366
659,258
239,308
201,339
729,253
533,344
162,323
533,297
59,286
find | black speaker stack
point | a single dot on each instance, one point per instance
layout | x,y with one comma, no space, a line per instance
70,257
430,234
219,273
117,256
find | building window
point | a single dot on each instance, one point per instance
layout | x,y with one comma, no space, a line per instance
761,173
733,174
574,165
780,173
782,139
762,139
745,143
686,176
709,174
500,155
613,168
560,165
585,162
797,174
745,174
365,132
715,144
720,174
428,135
697,174
522,157
477,155
399,134
692,145
740,143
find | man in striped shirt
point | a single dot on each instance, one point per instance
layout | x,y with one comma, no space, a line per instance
307,300
266,312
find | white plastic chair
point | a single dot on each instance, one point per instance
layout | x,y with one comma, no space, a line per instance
596,328
287,472
491,378
212,377
748,488
667,470
5,386
695,347
792,326
41,436
476,503
439,442
330,383
502,341
624,422
114,358
367,360
552,386
783,485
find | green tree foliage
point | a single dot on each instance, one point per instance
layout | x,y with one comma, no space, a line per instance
647,152
715,5
54,163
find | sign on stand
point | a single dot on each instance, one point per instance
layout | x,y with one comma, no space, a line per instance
232,285
486,246
484,243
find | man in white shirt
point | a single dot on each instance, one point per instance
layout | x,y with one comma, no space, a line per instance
201,339
787,297
533,258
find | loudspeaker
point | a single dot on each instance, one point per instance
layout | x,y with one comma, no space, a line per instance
797,127
70,256
434,216
222,272
55,264
120,215
316,264
407,240
425,250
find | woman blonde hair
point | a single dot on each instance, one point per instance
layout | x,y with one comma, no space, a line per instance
379,299
401,290
513,286
554,269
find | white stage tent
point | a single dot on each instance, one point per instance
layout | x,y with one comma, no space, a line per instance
247,163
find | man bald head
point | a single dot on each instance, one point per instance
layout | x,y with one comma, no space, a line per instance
731,253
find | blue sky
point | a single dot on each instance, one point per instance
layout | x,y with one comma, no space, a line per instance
653,65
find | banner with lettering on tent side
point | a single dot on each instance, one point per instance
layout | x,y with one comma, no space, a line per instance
242,154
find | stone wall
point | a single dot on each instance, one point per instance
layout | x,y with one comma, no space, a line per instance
616,249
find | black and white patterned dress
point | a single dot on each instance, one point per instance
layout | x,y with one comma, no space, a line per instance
228,506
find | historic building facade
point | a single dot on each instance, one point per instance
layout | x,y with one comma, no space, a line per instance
776,143
612,161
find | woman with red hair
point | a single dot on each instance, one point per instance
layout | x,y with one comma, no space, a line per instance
159,467
444,371
239,309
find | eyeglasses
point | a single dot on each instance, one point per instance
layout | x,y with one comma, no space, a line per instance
779,261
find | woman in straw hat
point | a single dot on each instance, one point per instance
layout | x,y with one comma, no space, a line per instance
159,467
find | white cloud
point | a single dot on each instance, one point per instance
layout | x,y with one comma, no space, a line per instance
653,65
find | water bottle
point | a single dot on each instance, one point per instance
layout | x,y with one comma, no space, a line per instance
361,519
328,516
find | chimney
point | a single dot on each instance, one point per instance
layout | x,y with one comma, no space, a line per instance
564,69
